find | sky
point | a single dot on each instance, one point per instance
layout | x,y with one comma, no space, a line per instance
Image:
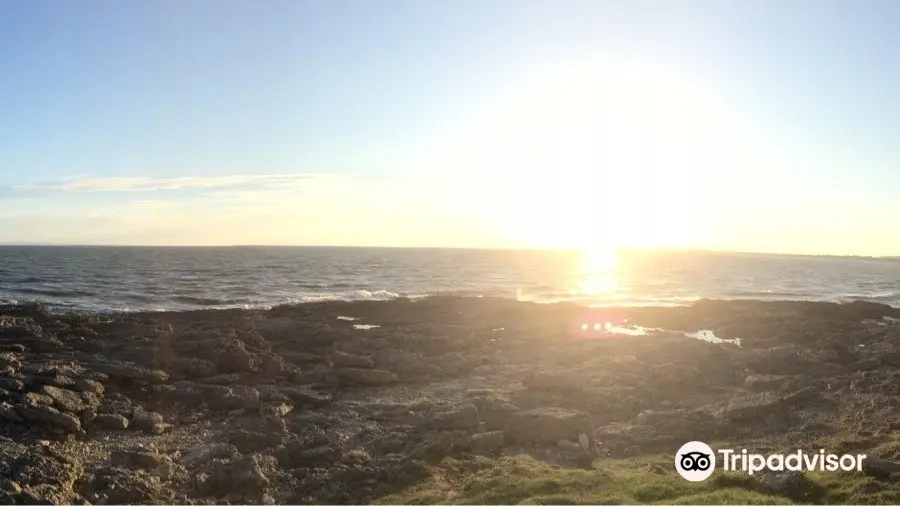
753,126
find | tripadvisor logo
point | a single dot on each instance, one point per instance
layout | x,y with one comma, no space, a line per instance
696,461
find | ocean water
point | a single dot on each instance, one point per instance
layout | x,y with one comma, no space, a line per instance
147,278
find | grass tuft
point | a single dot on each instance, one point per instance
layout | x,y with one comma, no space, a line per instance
645,480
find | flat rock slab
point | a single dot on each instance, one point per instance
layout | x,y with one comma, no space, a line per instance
130,371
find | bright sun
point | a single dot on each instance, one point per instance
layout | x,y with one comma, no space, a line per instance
600,157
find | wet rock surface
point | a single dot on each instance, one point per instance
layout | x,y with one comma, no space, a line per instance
293,405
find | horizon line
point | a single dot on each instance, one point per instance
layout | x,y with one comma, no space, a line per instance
477,248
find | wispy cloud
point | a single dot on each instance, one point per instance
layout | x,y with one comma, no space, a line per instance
145,184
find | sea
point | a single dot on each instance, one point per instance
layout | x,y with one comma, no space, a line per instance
105,279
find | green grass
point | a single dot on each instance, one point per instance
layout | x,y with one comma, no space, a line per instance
645,480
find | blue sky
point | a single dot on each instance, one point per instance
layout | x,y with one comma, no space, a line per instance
464,123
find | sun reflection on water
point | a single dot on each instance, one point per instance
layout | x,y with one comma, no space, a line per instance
597,274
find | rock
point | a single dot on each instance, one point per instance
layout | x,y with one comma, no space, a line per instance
9,360
569,446
494,412
234,360
48,415
12,384
160,428
273,366
9,413
487,442
36,398
356,458
548,425
365,377
10,486
584,442
7,396
130,371
314,375
224,398
247,441
278,410
165,470
792,484
138,459
880,468
463,418
271,393
303,455
301,358
192,368
200,456
115,485
340,359
56,379
68,400
307,397
434,445
89,385
147,421
243,476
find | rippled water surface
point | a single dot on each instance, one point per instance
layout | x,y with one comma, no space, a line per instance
126,278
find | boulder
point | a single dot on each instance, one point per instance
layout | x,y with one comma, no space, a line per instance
880,468
548,425
148,421
111,422
243,476
48,415
68,400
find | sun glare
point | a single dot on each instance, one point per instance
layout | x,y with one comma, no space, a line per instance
601,157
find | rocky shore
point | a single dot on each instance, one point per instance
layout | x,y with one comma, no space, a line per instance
299,405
